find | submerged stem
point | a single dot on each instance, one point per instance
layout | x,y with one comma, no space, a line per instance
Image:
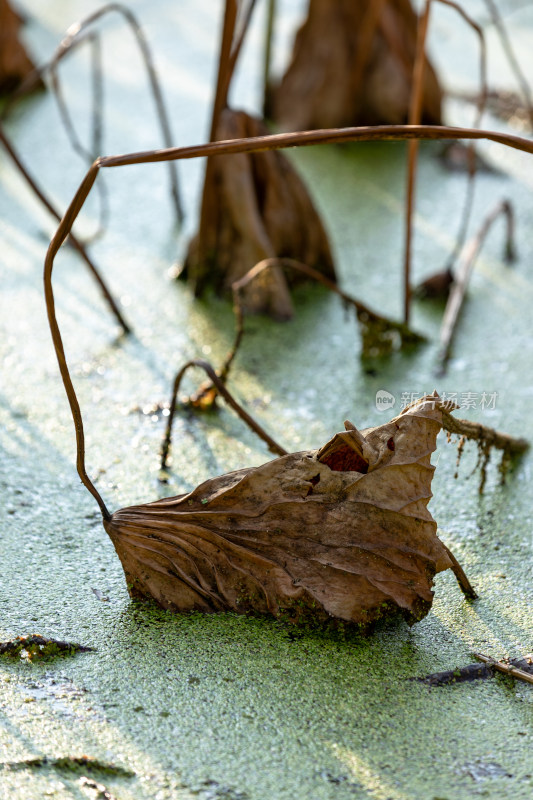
55,244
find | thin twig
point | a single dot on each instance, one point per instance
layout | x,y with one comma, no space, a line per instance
415,113
463,273
71,39
267,57
87,154
273,446
507,669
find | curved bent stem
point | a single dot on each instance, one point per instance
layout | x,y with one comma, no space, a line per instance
247,145
365,316
88,155
273,446
72,38
63,368
73,240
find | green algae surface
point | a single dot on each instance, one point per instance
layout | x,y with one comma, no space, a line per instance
227,707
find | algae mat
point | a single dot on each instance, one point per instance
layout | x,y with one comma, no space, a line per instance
228,707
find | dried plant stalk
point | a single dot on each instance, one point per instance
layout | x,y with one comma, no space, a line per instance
72,239
217,383
415,117
464,271
73,39
279,141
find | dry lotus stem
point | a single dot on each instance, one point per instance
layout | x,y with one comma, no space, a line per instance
342,532
415,117
72,40
215,386
464,271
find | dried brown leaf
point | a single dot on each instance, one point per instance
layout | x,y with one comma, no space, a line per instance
341,532
258,208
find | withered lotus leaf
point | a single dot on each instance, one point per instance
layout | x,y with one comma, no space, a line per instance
342,532
258,208
15,64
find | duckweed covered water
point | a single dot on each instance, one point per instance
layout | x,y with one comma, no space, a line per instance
222,706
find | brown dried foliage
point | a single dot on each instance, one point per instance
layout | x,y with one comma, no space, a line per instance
15,64
342,532
352,64
190,551
258,208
